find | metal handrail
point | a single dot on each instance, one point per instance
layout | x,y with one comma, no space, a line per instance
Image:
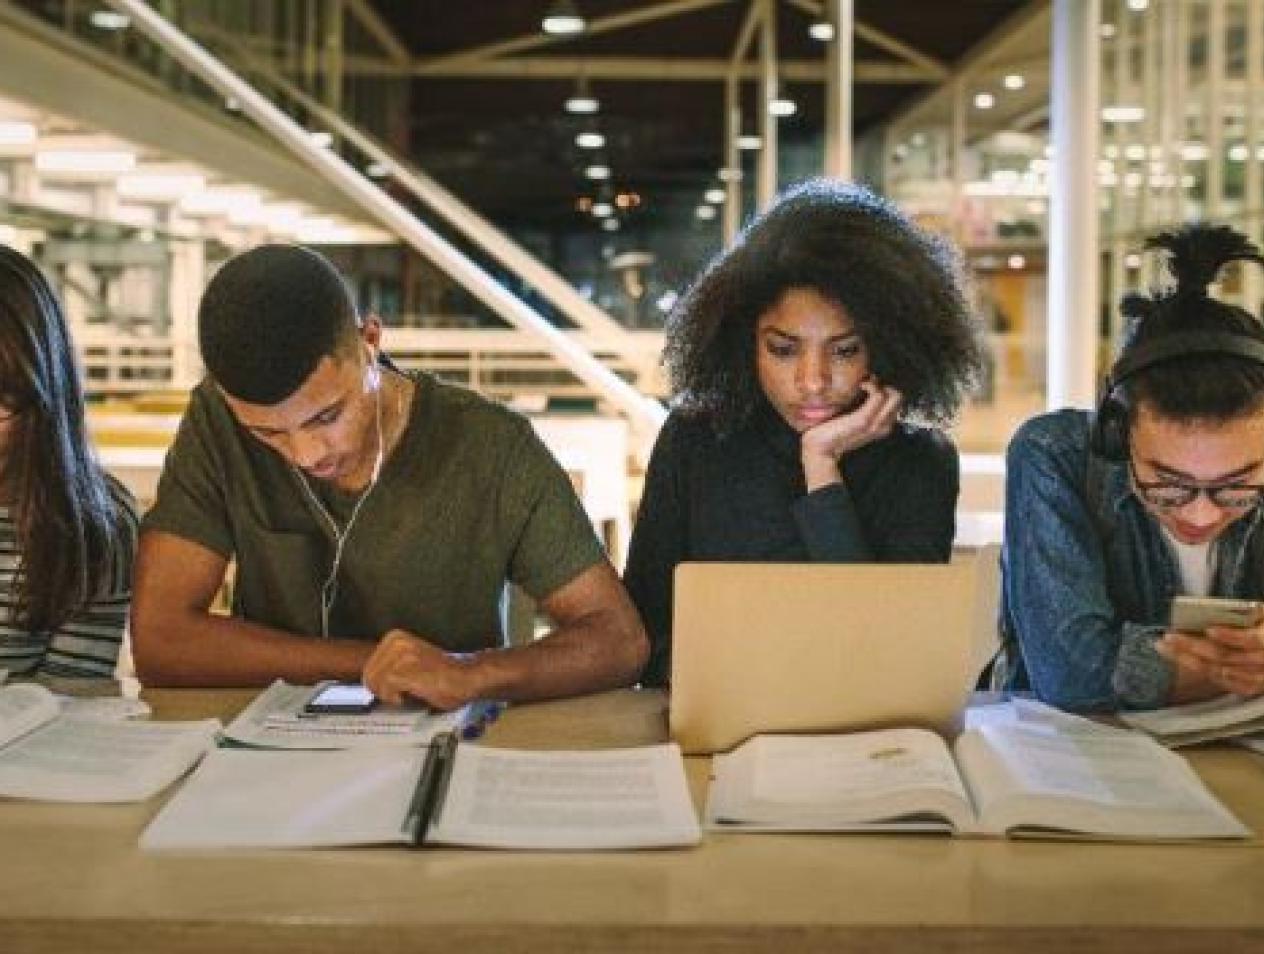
644,413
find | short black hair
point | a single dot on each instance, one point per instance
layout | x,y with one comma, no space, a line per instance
1197,387
269,316
901,286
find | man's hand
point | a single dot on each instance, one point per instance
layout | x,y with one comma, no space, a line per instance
822,446
1226,658
405,666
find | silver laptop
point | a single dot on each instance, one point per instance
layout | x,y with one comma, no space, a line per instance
793,647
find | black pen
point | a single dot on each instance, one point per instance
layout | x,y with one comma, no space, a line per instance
432,786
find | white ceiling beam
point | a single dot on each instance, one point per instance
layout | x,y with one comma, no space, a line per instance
617,21
371,20
881,39
657,69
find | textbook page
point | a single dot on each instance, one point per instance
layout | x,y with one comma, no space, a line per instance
1219,718
1032,779
92,760
275,720
567,801
23,707
889,779
494,799
290,799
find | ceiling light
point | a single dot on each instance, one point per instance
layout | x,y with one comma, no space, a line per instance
610,225
159,186
705,212
984,100
377,170
1132,260
749,143
782,106
602,209
1239,152
1122,114
16,133
91,162
715,196
218,201
1138,5
562,19
821,30
590,140
667,300
730,175
1014,81
582,102
627,200
1016,262
1108,31
597,171
109,20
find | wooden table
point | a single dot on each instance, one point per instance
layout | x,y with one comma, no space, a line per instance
72,879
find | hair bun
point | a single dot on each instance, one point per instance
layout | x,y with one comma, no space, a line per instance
1198,252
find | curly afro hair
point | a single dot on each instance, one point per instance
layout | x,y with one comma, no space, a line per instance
902,287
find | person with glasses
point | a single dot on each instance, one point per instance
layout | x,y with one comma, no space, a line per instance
1111,515
67,529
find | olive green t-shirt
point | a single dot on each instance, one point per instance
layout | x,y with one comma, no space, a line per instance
468,499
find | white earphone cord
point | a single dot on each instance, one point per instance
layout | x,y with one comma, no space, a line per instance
329,589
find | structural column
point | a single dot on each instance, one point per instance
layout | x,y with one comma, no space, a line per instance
766,177
1074,292
838,89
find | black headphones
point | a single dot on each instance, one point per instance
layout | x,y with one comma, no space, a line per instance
1108,436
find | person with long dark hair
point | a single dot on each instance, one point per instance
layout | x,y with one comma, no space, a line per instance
1110,515
810,365
67,529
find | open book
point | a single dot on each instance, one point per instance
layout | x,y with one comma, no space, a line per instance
444,794
1015,778
1221,718
48,755
275,719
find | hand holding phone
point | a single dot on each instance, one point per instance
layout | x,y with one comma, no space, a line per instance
1195,614
341,698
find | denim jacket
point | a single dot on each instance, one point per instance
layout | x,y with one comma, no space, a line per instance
1087,577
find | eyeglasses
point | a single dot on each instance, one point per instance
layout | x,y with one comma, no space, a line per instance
1170,495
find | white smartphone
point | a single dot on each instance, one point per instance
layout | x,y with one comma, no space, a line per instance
1193,614
344,698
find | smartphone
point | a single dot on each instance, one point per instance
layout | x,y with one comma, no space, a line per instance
346,698
1193,614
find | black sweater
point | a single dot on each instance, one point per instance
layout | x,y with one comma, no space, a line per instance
742,498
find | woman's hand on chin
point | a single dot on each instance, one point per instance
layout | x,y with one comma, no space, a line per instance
823,445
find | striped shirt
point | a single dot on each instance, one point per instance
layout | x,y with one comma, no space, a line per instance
87,643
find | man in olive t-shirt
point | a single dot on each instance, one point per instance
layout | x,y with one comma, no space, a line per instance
374,517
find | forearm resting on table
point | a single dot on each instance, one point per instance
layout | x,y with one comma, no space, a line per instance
587,655
194,648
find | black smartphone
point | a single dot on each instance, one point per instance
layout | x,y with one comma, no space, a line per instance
346,698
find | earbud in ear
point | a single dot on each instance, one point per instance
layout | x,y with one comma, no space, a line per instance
373,373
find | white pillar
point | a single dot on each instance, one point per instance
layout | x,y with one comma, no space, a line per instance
1073,241
1254,197
188,279
766,181
838,89
732,220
